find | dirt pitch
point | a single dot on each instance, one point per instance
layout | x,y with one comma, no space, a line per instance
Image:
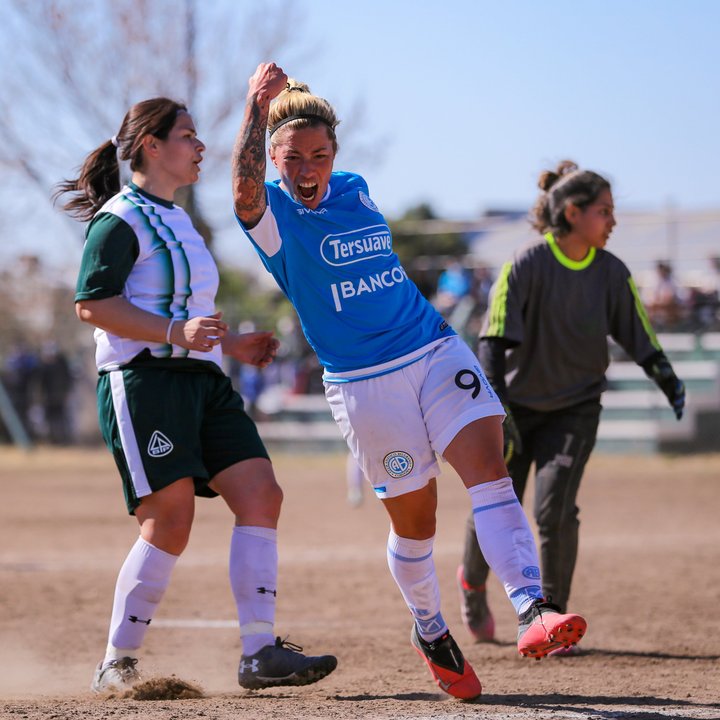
648,581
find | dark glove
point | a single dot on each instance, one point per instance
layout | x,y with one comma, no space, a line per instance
512,442
660,371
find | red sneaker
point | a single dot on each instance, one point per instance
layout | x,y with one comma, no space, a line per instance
543,628
447,665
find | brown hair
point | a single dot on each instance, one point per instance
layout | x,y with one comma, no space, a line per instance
99,176
565,185
305,109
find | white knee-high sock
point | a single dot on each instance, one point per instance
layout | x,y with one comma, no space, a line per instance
141,583
506,541
411,564
253,578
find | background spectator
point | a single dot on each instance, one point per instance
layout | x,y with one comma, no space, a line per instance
453,285
55,381
20,378
705,300
664,299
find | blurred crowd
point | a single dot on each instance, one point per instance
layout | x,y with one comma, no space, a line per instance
294,371
674,307
39,385
462,298
44,385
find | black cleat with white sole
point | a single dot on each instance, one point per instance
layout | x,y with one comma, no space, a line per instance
283,664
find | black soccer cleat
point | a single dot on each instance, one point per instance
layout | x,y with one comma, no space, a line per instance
283,664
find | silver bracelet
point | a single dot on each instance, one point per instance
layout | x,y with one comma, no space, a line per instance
168,331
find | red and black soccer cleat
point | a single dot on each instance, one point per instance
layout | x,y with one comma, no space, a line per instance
543,628
447,665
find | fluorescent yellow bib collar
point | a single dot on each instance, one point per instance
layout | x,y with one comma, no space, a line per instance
564,259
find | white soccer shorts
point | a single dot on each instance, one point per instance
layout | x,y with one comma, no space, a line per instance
396,423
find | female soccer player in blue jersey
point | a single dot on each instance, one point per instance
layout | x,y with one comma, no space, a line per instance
167,411
545,350
402,386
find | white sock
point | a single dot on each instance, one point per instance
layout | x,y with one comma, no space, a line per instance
412,566
253,578
506,541
141,583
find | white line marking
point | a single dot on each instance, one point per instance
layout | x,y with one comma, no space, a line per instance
199,623
204,624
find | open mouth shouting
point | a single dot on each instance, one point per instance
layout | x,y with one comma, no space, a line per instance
307,192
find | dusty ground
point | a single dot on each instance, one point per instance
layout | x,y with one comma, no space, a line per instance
648,582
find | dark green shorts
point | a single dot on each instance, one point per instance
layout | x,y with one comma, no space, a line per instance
163,424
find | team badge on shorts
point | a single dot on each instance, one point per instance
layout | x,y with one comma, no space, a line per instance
398,463
159,445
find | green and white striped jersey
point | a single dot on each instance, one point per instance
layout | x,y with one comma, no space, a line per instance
146,250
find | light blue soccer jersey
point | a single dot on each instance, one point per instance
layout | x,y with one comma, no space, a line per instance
357,306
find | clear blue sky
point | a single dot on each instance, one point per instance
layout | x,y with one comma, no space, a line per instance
466,101
473,98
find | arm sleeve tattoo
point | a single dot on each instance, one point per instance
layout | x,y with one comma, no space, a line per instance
249,164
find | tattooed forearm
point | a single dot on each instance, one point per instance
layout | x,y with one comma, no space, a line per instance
248,165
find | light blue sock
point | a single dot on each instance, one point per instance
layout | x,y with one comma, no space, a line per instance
506,541
411,564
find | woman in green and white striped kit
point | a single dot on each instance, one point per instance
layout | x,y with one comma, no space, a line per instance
167,411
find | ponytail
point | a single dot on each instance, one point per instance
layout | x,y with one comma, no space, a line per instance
97,182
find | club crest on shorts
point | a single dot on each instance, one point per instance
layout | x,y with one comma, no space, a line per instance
159,445
398,463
